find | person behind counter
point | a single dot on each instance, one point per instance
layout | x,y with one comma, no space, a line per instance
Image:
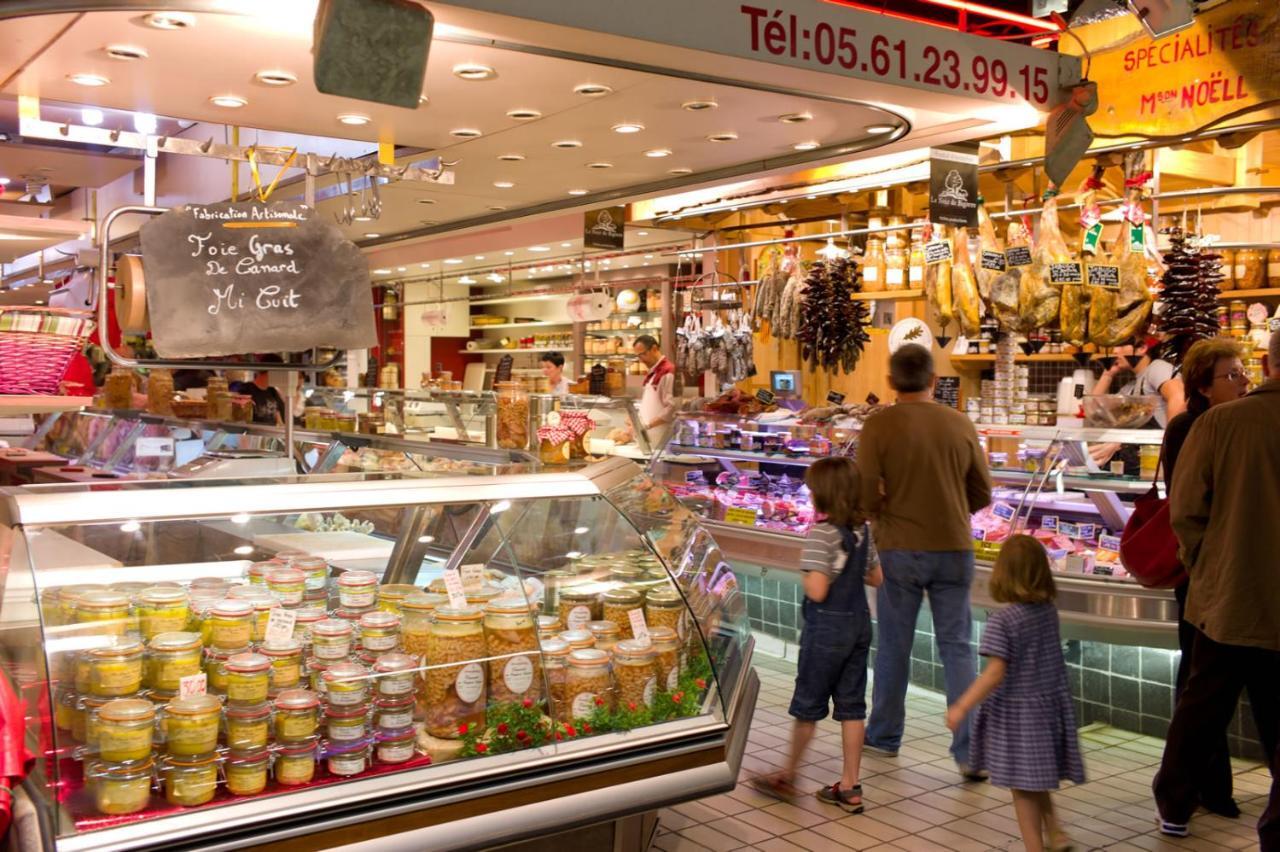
1153,376
552,364
657,395
268,404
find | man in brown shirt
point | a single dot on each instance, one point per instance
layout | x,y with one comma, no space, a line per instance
1225,511
923,475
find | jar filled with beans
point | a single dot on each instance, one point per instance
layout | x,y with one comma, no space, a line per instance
555,656
666,647
454,687
606,634
664,607
509,629
616,603
589,682
635,670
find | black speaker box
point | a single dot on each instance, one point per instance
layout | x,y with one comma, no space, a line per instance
372,50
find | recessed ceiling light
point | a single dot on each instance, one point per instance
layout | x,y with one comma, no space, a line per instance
465,133
600,165
509,253
479,257
725,136
642,233
495,208
511,158
699,105
92,117
795,118
658,153
125,52
144,122
362,219
425,265
453,261
628,127
578,191
228,101
401,269
523,114
680,171
353,118
466,279
93,81
503,184
276,77
169,20
648,257
495,278
372,236
807,146
539,248
592,90
566,144
426,201
382,272
880,128
566,245
474,71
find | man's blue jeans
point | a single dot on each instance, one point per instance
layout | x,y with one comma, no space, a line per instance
908,575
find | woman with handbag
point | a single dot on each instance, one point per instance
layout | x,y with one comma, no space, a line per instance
1213,372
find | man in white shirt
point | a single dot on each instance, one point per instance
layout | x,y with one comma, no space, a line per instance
657,394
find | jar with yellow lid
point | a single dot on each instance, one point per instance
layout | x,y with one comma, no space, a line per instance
162,610
171,657
617,603
214,660
296,764
124,729
577,606
588,682
248,725
635,671
357,589
286,664
230,624
287,584
391,595
314,568
248,678
191,725
509,630
454,687
344,723
190,780
331,639
304,618
109,612
555,660
579,639
346,684
111,671
394,674
416,611
666,648
549,626
664,607
246,771
379,631
606,634
297,716
122,788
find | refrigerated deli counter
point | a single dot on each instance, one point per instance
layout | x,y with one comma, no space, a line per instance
467,660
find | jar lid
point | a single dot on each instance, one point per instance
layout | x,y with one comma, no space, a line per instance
555,647
223,654
621,595
287,648
571,593
634,649
663,596
339,712
396,734
346,614
344,672
285,574
176,640
128,587
247,663
195,705
242,757
209,583
331,627
603,628
465,613
120,648
663,634
103,599
191,761
395,662
249,593
423,601
358,578
258,569
578,637
393,701
379,620
289,555
248,711
297,699
588,657
396,590
508,605
267,602
231,608
309,614
299,749
127,710
127,771
306,562
485,594
352,748
549,623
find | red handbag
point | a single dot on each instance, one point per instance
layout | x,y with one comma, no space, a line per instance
1148,546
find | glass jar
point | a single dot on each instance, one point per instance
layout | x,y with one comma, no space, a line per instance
635,671
896,257
549,626
296,764
305,618
331,639
241,408
391,713
915,261
664,607
417,610
248,725
555,659
63,709
314,568
396,746
286,664
605,633
666,647
358,589
246,771
230,624
171,657
109,612
192,780
344,724
262,606
219,405
123,788
160,392
509,629
85,729
214,660
287,584
379,631
124,730
191,725
248,678
454,684
315,672
513,415
616,604
588,682
113,670
347,758
346,684
579,639
554,445
117,389
394,674
578,606
297,716
483,595
256,573
1273,268
391,595
201,604
874,262
162,610
1251,269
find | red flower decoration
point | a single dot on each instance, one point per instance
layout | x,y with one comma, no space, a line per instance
570,730
599,702
502,727
702,684
586,729
481,748
521,735
559,736
678,697
463,728
631,705
527,703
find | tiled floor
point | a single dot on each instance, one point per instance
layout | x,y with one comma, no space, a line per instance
916,801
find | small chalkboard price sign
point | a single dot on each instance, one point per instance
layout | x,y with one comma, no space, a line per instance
236,277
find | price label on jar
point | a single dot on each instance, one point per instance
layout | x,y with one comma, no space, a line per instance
650,691
584,704
280,624
191,685
470,683
578,617
639,629
454,588
517,674
473,577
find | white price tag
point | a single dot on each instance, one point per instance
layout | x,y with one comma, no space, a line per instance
473,577
456,591
153,448
638,627
280,626
190,685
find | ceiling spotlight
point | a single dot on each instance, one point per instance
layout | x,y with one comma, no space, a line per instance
144,122
683,170
495,208
228,101
578,191
426,201
466,279
566,245
474,71
465,133
479,257
726,136
511,158
509,253
642,233
592,90
806,146
628,127
276,77
658,153
401,269
92,117
880,128
125,52
503,184
382,272
795,118
539,248
600,165
453,261
566,144
523,114
699,105
355,119
372,236
648,257
425,265
495,278
93,81
169,20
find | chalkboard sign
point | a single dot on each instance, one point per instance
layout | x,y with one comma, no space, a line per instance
765,397
937,251
1018,255
502,373
1105,276
1065,273
835,397
993,260
947,391
231,278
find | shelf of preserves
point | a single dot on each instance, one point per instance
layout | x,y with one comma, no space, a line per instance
1262,293
513,300
534,324
888,296
485,353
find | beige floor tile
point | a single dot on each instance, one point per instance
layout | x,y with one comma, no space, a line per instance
747,827
981,833
672,820
811,841
779,844
715,840
946,839
912,820
1006,824
677,843
946,804
917,843
846,836
771,824
800,815
871,824
697,812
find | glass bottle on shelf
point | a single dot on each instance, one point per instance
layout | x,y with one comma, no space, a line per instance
915,261
896,256
874,262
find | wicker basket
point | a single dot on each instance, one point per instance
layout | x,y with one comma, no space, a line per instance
190,409
37,345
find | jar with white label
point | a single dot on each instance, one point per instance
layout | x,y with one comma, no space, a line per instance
346,723
578,606
509,629
394,674
616,606
248,678
635,671
358,589
331,639
396,746
579,639
171,657
347,758
555,659
296,716
606,634
391,713
305,617
162,610
346,684
416,611
314,568
549,626
296,764
286,583
664,607
379,631
454,686
666,648
588,683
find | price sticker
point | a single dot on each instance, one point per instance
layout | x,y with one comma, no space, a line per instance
473,577
1065,273
994,260
872,399
280,624
835,397
1107,277
694,477
1018,256
1110,543
937,251
153,448
1003,511
638,627
1088,532
741,516
191,685
1070,530
1049,522
765,396
454,588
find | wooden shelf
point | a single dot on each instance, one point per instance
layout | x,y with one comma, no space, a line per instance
512,300
979,360
1264,293
14,405
538,324
487,352
888,296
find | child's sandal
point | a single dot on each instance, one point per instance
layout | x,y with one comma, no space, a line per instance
849,800
774,786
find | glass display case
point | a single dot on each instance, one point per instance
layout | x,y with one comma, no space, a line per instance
491,656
